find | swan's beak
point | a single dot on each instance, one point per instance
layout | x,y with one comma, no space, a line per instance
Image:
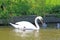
42,21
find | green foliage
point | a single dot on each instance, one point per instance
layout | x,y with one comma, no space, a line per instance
26,7
55,9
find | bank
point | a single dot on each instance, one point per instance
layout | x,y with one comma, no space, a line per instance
49,20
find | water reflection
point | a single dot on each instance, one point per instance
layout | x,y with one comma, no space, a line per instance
24,34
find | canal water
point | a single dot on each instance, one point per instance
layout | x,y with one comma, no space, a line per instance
17,34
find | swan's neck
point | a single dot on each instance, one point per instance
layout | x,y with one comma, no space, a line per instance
36,23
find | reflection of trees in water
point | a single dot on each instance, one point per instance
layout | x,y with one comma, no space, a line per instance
28,34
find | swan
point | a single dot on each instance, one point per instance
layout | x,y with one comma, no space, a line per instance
28,25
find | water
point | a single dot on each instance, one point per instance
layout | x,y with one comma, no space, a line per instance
42,34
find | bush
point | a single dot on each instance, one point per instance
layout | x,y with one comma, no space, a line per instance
10,8
55,10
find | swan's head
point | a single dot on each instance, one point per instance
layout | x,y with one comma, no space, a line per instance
40,18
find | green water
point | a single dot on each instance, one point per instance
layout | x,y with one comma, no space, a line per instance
42,34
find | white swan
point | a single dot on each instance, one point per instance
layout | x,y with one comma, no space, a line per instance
27,25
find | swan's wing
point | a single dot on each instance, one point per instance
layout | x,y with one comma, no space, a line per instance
26,24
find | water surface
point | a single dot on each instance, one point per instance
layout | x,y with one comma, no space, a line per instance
16,34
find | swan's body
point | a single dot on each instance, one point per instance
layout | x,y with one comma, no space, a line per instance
27,25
